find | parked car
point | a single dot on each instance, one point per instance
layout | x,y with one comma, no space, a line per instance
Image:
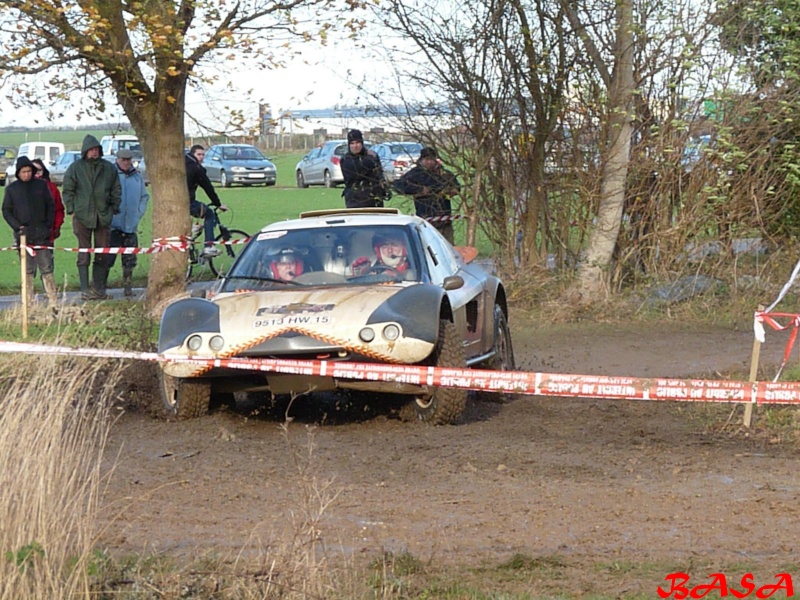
112,143
436,309
397,157
8,157
239,163
322,166
64,161
47,151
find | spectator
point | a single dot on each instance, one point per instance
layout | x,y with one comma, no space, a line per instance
432,187
29,209
92,194
390,255
131,210
364,183
43,173
196,177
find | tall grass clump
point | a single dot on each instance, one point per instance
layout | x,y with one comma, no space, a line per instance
54,423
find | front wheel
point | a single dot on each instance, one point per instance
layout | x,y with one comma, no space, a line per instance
445,405
301,181
222,264
223,179
185,398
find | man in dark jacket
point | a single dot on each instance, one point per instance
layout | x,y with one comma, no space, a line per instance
364,184
196,177
432,187
30,210
92,194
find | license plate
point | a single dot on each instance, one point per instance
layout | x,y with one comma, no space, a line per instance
256,176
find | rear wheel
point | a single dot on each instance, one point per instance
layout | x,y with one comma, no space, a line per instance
328,179
503,359
185,398
301,181
445,405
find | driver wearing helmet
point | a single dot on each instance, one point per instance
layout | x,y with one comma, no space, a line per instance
286,265
391,255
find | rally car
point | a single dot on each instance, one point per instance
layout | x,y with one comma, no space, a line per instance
357,285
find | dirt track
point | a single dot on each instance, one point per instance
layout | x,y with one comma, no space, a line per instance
591,481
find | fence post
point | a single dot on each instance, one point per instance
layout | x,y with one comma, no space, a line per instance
748,408
23,261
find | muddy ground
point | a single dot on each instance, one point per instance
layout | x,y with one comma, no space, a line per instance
584,486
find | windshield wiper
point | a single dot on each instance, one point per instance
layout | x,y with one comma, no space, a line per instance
258,278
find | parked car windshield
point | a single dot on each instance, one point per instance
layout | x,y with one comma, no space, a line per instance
331,256
242,153
406,148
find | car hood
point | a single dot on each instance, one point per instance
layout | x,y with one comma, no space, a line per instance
317,323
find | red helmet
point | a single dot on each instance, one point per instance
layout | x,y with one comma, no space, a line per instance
395,254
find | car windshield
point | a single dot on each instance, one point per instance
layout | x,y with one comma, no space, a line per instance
242,153
326,257
407,148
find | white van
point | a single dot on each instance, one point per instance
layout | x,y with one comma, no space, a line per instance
112,143
47,151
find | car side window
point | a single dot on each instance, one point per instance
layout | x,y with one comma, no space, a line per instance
438,254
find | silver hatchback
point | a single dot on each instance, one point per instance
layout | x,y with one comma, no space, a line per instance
397,157
322,166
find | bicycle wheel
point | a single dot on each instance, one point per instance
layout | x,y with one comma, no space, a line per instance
229,252
197,267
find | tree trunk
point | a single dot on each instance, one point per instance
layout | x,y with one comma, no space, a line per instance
163,146
594,271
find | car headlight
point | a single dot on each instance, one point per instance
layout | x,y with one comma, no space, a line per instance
238,169
391,332
194,343
367,334
216,343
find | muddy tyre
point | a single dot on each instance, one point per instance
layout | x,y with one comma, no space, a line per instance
185,398
445,405
503,359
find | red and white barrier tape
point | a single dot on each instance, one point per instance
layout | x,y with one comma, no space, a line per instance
534,384
444,218
179,243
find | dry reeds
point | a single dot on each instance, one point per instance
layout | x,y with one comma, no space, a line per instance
54,423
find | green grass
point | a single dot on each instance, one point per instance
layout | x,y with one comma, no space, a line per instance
71,138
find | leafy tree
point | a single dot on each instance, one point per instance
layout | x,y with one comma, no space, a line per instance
142,54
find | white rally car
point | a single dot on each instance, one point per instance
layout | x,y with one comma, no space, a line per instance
358,285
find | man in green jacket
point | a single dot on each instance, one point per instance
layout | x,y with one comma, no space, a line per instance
92,195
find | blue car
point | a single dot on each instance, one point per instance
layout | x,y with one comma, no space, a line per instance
241,164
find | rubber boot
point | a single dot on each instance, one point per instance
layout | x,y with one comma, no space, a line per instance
127,282
83,274
99,281
49,282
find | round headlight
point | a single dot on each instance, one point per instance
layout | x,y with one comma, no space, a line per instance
366,334
391,332
216,343
195,343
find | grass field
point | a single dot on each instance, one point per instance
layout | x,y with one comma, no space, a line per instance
251,209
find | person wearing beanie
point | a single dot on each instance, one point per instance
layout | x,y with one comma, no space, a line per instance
125,224
364,183
92,195
432,187
29,209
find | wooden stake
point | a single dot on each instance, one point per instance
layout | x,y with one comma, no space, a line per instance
748,408
23,260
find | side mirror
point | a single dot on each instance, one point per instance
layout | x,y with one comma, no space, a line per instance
198,293
453,282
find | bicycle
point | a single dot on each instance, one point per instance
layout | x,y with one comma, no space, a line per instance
205,267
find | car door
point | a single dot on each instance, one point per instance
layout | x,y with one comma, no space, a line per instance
212,163
315,166
468,302
306,164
